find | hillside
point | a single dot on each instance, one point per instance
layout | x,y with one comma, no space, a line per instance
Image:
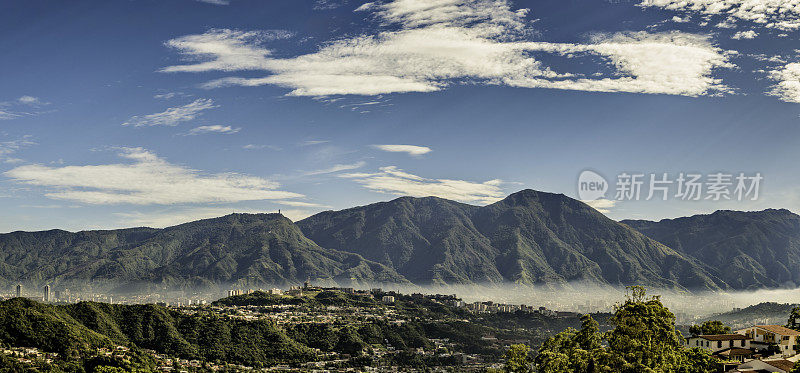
529,237
748,250
243,248
260,329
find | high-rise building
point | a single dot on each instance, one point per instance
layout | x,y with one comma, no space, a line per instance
47,293
19,290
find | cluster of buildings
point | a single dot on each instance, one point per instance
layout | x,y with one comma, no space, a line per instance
491,307
758,348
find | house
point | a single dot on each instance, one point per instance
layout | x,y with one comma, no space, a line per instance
785,338
718,342
774,365
734,354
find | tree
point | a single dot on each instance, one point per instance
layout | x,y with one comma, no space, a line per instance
517,359
710,327
699,360
644,339
571,350
794,319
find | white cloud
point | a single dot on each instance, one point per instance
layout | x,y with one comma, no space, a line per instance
225,130
677,19
337,168
393,180
787,87
672,63
314,142
410,149
779,14
168,218
749,34
172,116
603,205
231,50
443,42
147,180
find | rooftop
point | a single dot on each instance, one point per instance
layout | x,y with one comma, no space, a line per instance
778,329
723,337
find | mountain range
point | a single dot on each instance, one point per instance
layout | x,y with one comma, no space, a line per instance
530,237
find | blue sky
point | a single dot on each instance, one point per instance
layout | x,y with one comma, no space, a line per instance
130,113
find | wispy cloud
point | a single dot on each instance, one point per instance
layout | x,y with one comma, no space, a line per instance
30,100
146,180
232,50
314,142
7,148
410,149
437,44
218,129
260,146
393,180
20,107
172,116
337,168
215,2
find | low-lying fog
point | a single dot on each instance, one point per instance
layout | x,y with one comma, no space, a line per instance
688,307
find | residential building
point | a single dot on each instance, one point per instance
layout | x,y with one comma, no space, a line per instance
718,342
785,338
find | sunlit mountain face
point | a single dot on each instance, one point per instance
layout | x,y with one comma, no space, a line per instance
150,113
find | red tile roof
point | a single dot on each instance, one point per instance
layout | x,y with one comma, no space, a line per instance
723,337
778,329
781,364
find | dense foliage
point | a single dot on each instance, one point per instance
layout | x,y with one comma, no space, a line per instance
74,330
643,339
710,327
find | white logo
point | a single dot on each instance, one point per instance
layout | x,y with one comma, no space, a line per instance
591,186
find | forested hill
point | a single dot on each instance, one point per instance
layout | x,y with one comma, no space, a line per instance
530,237
252,248
747,250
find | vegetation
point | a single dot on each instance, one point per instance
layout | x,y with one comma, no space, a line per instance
644,339
710,327
747,250
218,336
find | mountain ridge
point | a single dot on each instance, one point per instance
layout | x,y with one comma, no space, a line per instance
529,237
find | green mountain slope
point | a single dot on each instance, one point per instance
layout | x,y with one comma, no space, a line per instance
244,248
425,239
748,250
545,237
529,237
